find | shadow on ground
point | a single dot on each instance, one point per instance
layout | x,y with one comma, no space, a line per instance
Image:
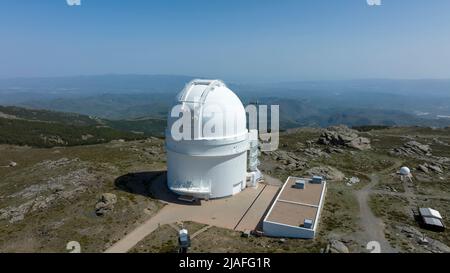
149,184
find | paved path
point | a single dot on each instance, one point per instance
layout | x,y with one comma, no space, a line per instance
239,212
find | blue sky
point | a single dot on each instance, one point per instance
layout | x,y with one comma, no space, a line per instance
239,40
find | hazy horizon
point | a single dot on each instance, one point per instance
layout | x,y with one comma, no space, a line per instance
274,81
238,41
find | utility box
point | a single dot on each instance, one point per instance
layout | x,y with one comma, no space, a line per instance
317,179
307,223
300,184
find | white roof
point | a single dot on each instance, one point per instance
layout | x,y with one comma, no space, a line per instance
405,171
433,221
429,212
214,106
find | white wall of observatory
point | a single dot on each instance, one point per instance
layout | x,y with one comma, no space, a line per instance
225,175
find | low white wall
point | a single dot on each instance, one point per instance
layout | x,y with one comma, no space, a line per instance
281,230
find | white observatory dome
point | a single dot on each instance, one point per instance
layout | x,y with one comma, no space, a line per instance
210,159
405,171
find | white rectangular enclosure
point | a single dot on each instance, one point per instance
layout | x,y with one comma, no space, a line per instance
295,213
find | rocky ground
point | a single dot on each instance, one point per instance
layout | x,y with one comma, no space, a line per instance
95,194
350,160
84,194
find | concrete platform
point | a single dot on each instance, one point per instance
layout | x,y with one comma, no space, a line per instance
243,211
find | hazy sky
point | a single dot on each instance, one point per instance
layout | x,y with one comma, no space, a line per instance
241,40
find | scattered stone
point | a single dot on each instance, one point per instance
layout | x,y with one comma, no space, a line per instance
86,137
53,139
353,180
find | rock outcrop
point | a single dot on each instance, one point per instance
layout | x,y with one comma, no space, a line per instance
429,168
412,148
289,161
105,204
44,195
336,246
315,152
344,136
419,239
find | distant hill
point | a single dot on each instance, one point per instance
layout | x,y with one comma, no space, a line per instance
20,91
110,106
48,116
312,113
42,128
125,99
97,84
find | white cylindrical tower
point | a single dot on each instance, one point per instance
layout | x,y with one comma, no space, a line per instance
207,141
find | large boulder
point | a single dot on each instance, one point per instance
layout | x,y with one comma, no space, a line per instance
335,246
105,204
344,136
412,148
360,143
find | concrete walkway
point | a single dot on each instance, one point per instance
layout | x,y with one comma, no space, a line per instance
242,211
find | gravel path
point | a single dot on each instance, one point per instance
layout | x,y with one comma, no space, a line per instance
373,228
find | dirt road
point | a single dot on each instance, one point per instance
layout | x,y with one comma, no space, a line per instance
373,228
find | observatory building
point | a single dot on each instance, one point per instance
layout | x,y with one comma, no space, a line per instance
210,151
405,174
